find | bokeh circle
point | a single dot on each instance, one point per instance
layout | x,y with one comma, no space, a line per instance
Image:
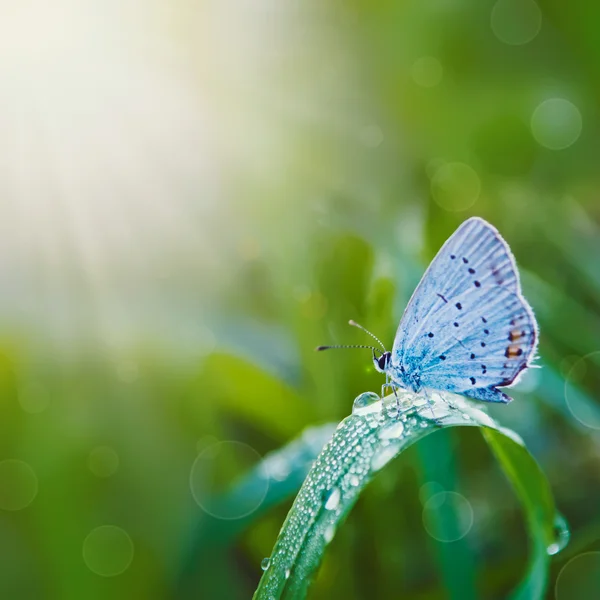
447,516
579,579
516,22
556,123
18,484
108,550
585,368
455,186
428,490
216,470
103,461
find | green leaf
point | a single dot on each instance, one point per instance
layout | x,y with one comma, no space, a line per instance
244,395
365,442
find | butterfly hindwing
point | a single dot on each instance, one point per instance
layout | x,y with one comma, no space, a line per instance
467,327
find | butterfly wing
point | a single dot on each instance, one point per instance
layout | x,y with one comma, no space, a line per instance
467,328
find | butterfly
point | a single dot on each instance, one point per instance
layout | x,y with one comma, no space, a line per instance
467,328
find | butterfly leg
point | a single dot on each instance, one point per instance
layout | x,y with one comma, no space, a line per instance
394,387
431,404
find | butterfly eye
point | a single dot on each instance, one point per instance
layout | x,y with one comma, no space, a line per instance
384,360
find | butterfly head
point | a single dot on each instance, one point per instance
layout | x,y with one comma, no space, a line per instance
382,362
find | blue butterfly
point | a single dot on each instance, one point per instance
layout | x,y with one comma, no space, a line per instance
467,328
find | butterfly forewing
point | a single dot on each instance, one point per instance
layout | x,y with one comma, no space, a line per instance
467,325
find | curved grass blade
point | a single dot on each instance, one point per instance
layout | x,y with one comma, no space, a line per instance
364,443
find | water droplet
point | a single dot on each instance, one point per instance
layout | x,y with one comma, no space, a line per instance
423,424
391,410
329,533
466,417
354,480
561,535
392,431
419,401
365,403
264,563
332,498
390,406
287,573
383,456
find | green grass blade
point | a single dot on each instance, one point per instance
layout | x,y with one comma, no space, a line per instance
365,442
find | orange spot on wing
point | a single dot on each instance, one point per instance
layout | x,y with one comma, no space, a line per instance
513,351
515,334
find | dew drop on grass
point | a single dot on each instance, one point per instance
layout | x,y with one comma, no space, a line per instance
390,407
393,431
383,456
332,498
329,533
561,535
365,403
264,565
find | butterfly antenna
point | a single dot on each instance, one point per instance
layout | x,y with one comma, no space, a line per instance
321,348
355,324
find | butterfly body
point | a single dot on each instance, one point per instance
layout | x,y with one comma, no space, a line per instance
467,328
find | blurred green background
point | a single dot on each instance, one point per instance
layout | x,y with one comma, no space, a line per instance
196,194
